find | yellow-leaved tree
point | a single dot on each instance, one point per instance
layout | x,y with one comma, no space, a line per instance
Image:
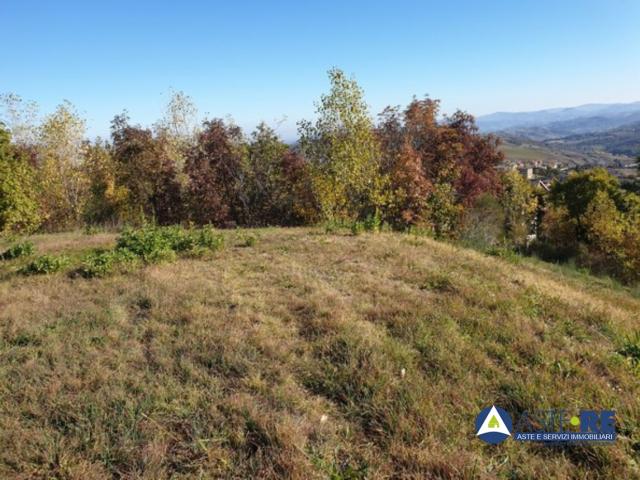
344,153
61,176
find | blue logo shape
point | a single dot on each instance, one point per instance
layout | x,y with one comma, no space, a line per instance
493,425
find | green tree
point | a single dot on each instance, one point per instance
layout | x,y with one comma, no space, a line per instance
264,185
519,203
598,222
106,201
344,153
613,239
19,212
580,188
60,172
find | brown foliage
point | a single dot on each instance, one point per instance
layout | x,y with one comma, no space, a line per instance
419,152
214,167
146,171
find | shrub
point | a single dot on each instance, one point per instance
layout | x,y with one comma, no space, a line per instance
146,242
151,245
155,244
22,249
357,227
483,223
373,222
207,238
247,240
104,262
44,265
631,349
334,225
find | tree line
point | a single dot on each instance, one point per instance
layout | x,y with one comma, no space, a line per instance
413,168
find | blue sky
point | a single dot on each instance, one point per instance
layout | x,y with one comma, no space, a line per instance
265,60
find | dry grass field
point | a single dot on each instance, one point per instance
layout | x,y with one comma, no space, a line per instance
308,355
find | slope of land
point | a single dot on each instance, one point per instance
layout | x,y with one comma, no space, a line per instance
309,355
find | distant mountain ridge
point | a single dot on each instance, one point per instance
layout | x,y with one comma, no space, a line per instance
590,117
588,129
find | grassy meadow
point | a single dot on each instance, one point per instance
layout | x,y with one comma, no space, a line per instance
304,354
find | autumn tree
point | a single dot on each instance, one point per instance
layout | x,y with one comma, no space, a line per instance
20,118
436,167
177,130
146,169
401,160
106,200
581,188
217,175
594,220
344,153
300,201
19,211
62,179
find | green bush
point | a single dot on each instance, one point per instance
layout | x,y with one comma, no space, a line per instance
22,249
207,238
146,242
104,262
156,244
357,228
247,240
631,349
150,245
44,265
504,252
373,223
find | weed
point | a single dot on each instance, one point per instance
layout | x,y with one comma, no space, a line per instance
149,243
91,229
357,228
247,240
161,244
103,262
505,253
373,223
44,265
207,238
631,349
22,249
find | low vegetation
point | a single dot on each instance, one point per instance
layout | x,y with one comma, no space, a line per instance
304,354
17,250
44,264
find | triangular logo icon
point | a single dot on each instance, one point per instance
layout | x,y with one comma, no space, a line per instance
493,423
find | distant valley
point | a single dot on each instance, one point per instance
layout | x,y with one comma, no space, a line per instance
594,134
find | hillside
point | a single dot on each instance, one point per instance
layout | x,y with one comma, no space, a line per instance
623,140
309,355
596,134
557,122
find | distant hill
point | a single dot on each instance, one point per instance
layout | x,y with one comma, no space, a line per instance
623,140
564,121
599,133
